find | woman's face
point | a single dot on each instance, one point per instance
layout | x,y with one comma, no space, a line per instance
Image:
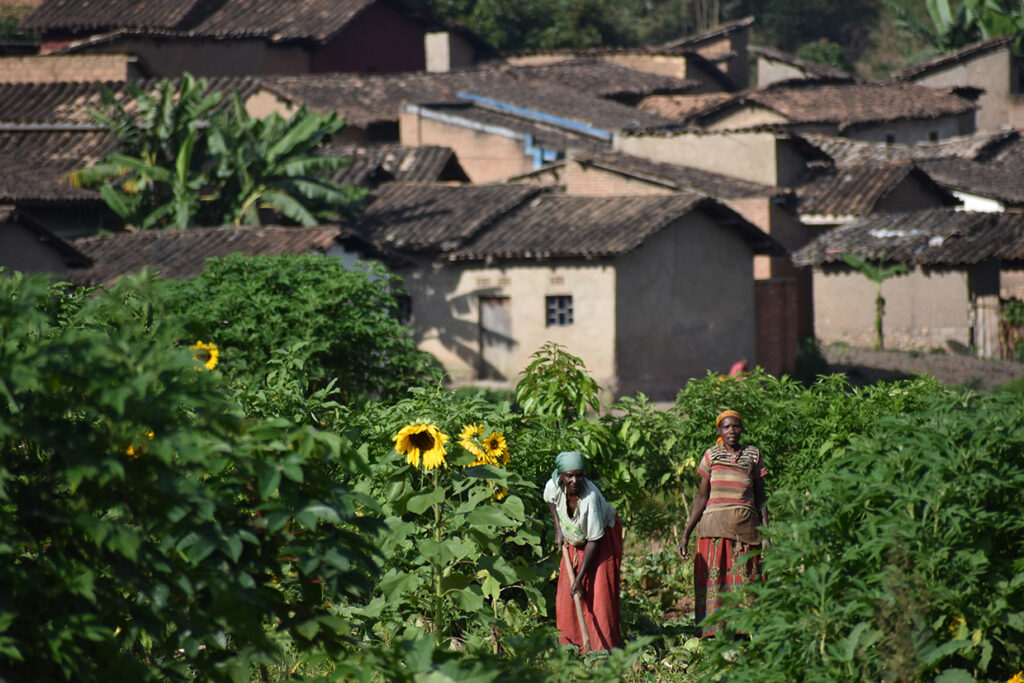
573,481
730,429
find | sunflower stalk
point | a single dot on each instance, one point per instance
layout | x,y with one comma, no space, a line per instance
436,570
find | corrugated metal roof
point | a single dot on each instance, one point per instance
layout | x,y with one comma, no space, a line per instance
933,237
181,253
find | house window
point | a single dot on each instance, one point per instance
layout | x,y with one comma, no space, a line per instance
889,138
933,136
559,310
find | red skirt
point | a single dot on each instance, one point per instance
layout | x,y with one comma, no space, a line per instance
600,594
719,574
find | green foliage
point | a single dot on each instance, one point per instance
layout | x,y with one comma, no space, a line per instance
877,274
951,28
462,550
789,24
10,17
149,532
824,52
180,162
556,384
903,561
330,323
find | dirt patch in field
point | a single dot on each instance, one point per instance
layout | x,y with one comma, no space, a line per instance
865,366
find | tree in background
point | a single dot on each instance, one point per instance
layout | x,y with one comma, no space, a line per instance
182,161
824,52
952,28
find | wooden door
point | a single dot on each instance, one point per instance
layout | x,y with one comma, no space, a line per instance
496,343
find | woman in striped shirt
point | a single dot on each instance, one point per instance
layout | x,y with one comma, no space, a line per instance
730,506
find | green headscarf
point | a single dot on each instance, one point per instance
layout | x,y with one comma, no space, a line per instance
567,461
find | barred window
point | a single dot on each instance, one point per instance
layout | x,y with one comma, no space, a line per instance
559,310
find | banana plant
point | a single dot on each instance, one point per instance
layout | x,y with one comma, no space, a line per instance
877,274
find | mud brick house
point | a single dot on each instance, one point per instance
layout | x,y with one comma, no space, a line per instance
250,37
949,299
774,66
834,196
981,170
877,112
27,246
180,254
782,293
649,291
989,66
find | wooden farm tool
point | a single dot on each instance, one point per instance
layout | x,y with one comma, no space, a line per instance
576,598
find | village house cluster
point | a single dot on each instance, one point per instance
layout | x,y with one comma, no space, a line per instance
661,211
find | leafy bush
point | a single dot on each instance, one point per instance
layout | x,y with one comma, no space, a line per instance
149,532
334,323
903,561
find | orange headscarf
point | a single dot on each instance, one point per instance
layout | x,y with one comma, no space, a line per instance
724,414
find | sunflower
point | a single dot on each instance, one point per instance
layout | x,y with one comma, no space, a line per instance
499,491
421,440
496,448
134,451
1016,678
207,354
466,437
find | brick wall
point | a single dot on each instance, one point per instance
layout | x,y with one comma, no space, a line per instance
64,68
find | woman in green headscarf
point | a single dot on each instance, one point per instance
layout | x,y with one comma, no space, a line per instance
589,527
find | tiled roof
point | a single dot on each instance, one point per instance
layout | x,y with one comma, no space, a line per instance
371,166
181,253
847,152
558,225
277,20
431,217
369,98
933,237
677,177
996,180
848,104
856,190
69,103
964,53
76,15
682,107
811,68
603,78
33,164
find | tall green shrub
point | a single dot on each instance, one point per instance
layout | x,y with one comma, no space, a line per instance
338,324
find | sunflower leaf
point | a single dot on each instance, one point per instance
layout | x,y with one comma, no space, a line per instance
421,503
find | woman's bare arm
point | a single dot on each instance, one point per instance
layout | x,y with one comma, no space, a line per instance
700,501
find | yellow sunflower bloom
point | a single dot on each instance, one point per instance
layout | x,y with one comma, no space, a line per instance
207,354
466,441
496,448
134,451
424,441
1016,678
500,491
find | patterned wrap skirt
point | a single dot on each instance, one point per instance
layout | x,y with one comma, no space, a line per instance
720,573
600,594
